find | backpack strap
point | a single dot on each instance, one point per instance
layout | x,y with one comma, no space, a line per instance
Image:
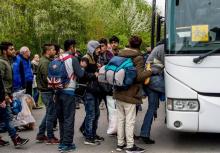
114,81
72,77
66,57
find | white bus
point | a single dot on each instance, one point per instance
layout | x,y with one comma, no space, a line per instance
192,65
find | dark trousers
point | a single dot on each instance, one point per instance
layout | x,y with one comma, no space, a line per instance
50,116
36,95
5,118
153,98
65,106
90,123
28,87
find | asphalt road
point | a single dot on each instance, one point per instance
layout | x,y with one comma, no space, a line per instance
166,141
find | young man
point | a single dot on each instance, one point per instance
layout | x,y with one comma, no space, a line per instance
157,55
22,71
105,55
127,99
114,43
47,96
91,99
7,53
70,46
65,98
103,58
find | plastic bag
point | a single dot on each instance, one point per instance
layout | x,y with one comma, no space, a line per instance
25,116
112,126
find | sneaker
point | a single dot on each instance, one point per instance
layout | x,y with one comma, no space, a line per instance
68,148
91,142
3,143
52,141
60,146
147,140
99,139
134,149
18,141
41,139
120,148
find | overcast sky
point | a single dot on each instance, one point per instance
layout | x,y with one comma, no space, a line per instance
160,4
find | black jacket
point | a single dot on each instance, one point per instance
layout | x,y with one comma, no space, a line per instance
92,85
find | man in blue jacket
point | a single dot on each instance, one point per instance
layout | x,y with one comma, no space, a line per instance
22,71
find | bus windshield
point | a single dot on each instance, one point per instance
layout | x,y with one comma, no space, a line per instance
193,26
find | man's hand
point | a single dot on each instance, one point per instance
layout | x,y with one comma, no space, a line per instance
148,67
99,65
8,100
3,104
96,74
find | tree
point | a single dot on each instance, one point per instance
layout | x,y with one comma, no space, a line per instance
35,22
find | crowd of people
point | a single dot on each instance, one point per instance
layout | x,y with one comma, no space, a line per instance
19,73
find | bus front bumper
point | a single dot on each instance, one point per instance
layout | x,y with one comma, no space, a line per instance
182,121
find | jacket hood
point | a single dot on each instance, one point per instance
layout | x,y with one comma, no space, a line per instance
92,45
128,52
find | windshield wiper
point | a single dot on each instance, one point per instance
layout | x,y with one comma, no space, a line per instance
198,59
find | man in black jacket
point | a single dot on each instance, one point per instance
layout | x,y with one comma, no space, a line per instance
91,102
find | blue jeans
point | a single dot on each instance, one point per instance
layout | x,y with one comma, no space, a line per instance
90,124
5,117
65,107
35,95
50,116
153,98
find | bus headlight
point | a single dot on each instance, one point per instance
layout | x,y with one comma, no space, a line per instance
182,105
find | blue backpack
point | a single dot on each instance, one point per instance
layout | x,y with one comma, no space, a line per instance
58,77
117,63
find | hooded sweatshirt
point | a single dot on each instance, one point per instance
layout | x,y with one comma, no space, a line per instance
91,47
156,58
92,66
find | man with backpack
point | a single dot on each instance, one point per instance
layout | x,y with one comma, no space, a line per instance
47,96
127,99
7,53
65,95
